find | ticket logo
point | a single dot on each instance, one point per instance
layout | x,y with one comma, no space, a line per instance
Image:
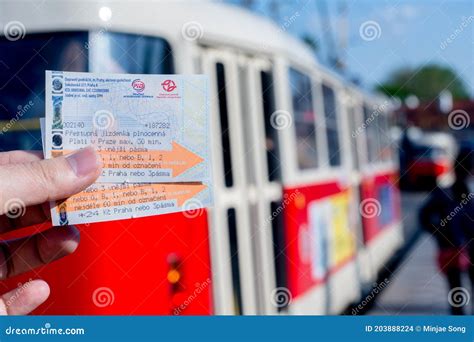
168,85
57,84
138,85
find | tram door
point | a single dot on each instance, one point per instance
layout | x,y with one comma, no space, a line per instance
245,181
355,121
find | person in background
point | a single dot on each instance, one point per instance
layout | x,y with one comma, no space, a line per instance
463,190
447,215
406,151
27,184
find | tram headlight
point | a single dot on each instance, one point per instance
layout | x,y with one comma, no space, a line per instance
105,13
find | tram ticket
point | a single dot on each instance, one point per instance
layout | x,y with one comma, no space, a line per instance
146,128
154,151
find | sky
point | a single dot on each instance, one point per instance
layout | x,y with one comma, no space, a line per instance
384,35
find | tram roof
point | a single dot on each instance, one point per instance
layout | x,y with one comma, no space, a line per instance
223,23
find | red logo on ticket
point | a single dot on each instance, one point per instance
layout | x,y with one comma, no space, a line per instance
168,85
138,85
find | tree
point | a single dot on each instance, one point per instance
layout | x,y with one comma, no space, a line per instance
426,83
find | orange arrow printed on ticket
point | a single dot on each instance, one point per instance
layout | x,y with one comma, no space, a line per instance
159,165
173,163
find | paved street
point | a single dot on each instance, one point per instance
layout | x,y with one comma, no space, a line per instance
416,287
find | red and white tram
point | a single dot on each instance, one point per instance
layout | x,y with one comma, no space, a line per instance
298,155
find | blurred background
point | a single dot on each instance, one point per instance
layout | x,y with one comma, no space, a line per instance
334,122
420,55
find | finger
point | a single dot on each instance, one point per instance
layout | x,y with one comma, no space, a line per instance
35,214
25,298
25,254
14,157
52,179
32,215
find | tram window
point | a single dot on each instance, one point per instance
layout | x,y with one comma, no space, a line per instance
332,132
271,134
371,129
390,142
354,136
378,132
234,258
377,135
22,72
224,119
381,137
382,130
130,53
243,80
304,120
386,152
279,246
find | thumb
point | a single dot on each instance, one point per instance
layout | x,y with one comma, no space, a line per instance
37,182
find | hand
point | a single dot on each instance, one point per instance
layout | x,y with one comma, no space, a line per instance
27,184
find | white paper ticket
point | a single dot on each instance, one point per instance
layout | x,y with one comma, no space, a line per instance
151,132
147,128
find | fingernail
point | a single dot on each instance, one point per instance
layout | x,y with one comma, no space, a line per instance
84,161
